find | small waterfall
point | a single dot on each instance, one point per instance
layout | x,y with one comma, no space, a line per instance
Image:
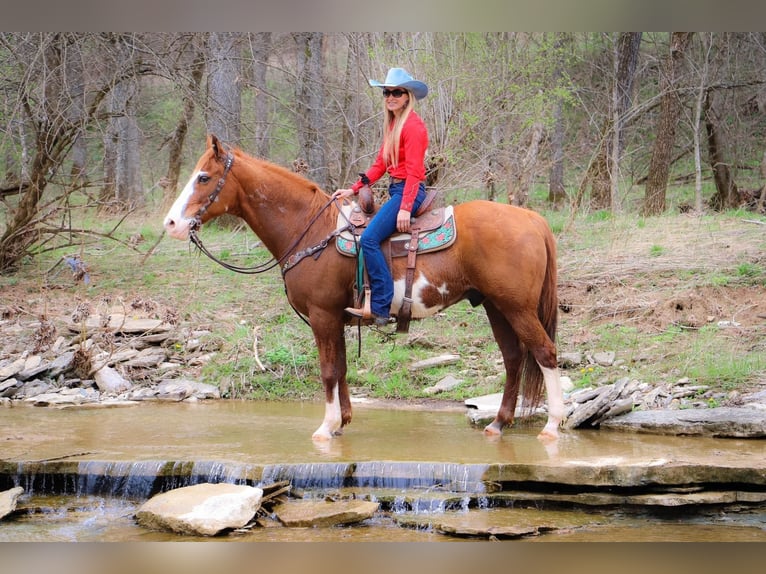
309,476
133,480
450,477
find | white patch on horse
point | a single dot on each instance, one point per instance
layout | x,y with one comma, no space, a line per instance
419,309
332,418
176,224
555,400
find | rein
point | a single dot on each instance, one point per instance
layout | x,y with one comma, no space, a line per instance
289,260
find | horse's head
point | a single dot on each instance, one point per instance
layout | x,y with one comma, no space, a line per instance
201,199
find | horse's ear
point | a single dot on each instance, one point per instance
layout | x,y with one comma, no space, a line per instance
215,143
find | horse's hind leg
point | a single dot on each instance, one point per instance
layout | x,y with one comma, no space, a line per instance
511,351
526,327
532,333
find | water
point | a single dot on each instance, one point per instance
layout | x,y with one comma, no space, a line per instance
86,471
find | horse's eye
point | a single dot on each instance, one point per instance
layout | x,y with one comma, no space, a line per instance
203,178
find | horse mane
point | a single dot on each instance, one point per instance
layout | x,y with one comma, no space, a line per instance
294,180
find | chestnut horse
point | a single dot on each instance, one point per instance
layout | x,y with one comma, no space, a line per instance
504,258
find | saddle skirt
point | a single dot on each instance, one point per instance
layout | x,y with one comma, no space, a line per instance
436,231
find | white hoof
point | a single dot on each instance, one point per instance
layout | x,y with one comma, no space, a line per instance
322,434
550,432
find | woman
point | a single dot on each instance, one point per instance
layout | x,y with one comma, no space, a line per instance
402,156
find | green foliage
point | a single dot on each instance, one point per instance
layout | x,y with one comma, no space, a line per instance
656,250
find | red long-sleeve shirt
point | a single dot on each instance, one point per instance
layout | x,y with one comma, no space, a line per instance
411,166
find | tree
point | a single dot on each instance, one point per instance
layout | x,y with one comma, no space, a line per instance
309,98
261,48
556,189
123,185
604,170
670,111
224,98
189,79
43,94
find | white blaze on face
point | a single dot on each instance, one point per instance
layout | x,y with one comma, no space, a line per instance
176,224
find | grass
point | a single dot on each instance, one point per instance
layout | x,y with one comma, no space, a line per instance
624,278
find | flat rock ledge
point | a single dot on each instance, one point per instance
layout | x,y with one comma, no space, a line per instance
746,421
724,422
324,513
202,509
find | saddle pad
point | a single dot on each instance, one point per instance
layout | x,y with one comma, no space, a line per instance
435,239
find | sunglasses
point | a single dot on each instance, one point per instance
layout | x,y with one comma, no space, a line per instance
397,93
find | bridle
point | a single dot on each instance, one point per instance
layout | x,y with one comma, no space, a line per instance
289,260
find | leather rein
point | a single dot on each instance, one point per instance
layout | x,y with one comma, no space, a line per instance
289,261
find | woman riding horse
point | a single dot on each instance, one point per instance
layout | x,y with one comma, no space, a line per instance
402,156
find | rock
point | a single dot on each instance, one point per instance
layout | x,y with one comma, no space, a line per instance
324,513
110,381
482,410
61,364
33,388
591,407
8,500
567,360
203,509
604,358
33,366
119,323
439,361
499,522
9,387
717,422
10,369
178,390
149,358
489,402
446,384
65,397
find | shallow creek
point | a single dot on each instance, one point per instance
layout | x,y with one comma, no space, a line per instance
86,471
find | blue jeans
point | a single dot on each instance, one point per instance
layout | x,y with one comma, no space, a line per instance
380,228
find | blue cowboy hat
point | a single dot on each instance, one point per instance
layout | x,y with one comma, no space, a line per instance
399,78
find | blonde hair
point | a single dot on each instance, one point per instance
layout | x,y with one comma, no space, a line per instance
392,129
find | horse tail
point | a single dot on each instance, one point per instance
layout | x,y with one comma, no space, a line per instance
547,311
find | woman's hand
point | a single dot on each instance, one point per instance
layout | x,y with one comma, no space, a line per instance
403,221
342,193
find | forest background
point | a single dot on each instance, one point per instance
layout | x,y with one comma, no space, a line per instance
614,131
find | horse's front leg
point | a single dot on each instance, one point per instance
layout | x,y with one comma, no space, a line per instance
331,345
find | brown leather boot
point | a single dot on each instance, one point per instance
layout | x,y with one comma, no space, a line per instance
368,317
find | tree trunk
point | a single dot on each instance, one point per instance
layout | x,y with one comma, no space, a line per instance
521,182
123,187
309,106
130,187
670,112
261,51
348,139
556,189
606,169
224,101
176,141
727,195
707,45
